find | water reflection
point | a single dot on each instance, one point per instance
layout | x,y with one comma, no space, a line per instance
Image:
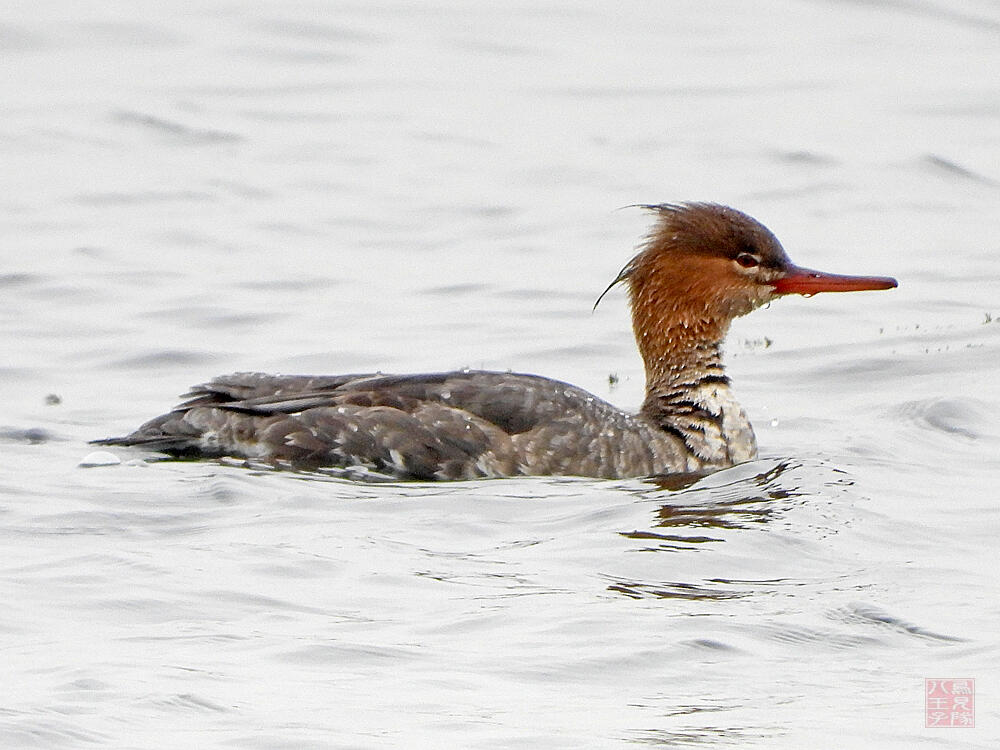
708,511
721,501
673,590
703,736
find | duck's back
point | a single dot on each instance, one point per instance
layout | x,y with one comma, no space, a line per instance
451,425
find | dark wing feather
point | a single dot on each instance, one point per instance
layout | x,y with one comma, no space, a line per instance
251,387
440,425
515,403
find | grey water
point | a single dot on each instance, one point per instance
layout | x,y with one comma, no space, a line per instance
194,188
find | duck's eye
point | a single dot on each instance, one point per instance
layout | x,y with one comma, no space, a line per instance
747,260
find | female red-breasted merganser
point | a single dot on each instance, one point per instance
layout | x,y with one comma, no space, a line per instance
701,266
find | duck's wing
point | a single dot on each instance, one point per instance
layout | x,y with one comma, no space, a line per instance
250,389
439,425
511,401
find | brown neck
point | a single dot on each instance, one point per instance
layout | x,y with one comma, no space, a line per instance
680,353
688,394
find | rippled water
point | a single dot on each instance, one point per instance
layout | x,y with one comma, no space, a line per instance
197,188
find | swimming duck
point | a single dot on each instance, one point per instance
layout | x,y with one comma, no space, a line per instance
701,266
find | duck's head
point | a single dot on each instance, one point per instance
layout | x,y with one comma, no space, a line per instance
704,263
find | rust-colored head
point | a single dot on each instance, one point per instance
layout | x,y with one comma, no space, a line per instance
703,265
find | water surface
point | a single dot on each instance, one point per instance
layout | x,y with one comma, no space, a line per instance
198,188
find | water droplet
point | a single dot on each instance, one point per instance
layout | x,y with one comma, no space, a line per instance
99,458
